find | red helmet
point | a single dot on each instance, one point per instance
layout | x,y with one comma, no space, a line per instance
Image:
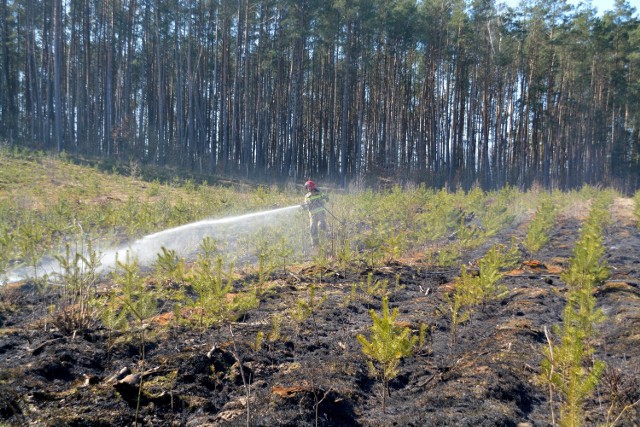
310,185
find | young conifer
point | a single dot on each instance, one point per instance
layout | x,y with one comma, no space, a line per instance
568,366
388,344
217,302
169,265
77,307
636,207
308,307
460,302
137,302
284,252
540,226
565,370
6,249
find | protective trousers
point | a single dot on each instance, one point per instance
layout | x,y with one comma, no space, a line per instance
317,222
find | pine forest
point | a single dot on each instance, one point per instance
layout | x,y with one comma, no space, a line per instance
447,93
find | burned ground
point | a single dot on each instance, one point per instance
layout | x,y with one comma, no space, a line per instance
194,377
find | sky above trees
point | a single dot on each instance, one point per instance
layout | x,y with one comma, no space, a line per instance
602,6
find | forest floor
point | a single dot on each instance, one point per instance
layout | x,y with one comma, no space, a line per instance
314,371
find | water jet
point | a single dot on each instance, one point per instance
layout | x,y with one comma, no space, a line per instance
184,240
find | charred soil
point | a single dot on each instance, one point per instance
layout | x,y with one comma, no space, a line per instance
312,371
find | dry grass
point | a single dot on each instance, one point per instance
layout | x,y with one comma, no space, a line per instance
622,211
36,185
575,209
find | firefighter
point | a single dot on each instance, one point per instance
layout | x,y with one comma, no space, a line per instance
314,202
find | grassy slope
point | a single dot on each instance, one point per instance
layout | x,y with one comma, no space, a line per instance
41,187
40,181
35,182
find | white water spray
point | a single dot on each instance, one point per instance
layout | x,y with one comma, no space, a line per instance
184,240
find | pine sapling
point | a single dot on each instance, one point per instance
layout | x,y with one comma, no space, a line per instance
6,251
256,345
564,369
373,248
459,312
398,284
33,242
77,307
322,262
394,244
274,333
490,273
216,301
136,300
346,256
424,333
386,347
372,289
351,298
209,247
284,252
169,265
308,307
449,255
568,367
263,273
540,226
113,317
458,305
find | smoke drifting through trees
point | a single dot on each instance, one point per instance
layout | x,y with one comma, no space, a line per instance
447,93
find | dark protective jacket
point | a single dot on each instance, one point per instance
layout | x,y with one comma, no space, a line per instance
314,201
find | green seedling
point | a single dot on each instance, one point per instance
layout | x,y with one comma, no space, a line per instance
490,272
113,317
394,245
540,226
169,265
33,243
351,298
424,333
497,212
459,303
217,303
373,249
446,256
387,345
372,289
6,251
78,305
306,308
209,247
346,256
568,367
137,302
322,262
256,345
398,286
565,372
284,252
263,274
274,333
